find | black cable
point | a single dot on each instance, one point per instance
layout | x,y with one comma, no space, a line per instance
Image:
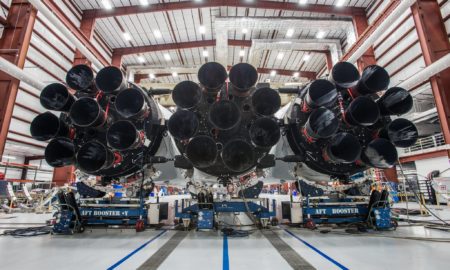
28,232
230,232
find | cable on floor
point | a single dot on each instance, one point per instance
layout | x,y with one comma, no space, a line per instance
230,232
28,232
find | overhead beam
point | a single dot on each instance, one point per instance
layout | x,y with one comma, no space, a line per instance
161,7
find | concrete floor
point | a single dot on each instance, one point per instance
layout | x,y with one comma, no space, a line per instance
125,249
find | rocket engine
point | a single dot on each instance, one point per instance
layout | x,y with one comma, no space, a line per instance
106,126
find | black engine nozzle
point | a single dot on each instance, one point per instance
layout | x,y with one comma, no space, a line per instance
401,132
202,151
60,152
344,75
94,156
265,132
343,148
86,112
395,101
380,153
224,115
266,101
81,78
123,135
183,124
362,111
373,79
320,93
46,126
212,76
187,94
243,76
132,103
56,97
111,80
238,155
322,123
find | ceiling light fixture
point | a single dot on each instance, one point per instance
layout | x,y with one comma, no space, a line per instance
202,29
143,2
157,33
107,4
241,53
174,74
9,157
340,3
244,30
273,73
296,74
141,59
205,53
290,32
167,56
306,57
303,2
151,76
127,36
320,34
280,56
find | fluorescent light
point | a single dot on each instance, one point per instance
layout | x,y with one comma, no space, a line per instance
144,2
151,76
198,1
296,74
244,30
205,53
157,33
340,3
290,32
303,2
9,157
273,73
202,29
127,36
241,53
167,56
306,57
280,56
107,4
174,74
141,59
320,34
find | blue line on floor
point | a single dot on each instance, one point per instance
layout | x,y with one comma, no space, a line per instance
114,266
225,261
317,250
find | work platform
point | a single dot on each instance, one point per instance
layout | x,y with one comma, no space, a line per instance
126,249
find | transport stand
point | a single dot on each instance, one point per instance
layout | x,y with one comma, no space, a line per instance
117,212
374,211
203,214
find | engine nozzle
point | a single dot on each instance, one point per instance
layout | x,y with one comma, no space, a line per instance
266,101
322,123
320,93
111,80
224,115
202,151
373,79
131,103
243,76
401,132
212,76
238,155
56,97
187,94
343,148
344,75
265,132
380,153
60,152
123,135
395,101
86,112
94,156
183,124
362,111
81,78
46,126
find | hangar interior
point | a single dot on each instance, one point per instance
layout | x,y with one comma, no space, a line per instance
224,134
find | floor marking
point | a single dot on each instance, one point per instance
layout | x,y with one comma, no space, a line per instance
318,251
163,252
114,266
226,259
294,259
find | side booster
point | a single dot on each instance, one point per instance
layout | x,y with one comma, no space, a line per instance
225,128
108,127
340,126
